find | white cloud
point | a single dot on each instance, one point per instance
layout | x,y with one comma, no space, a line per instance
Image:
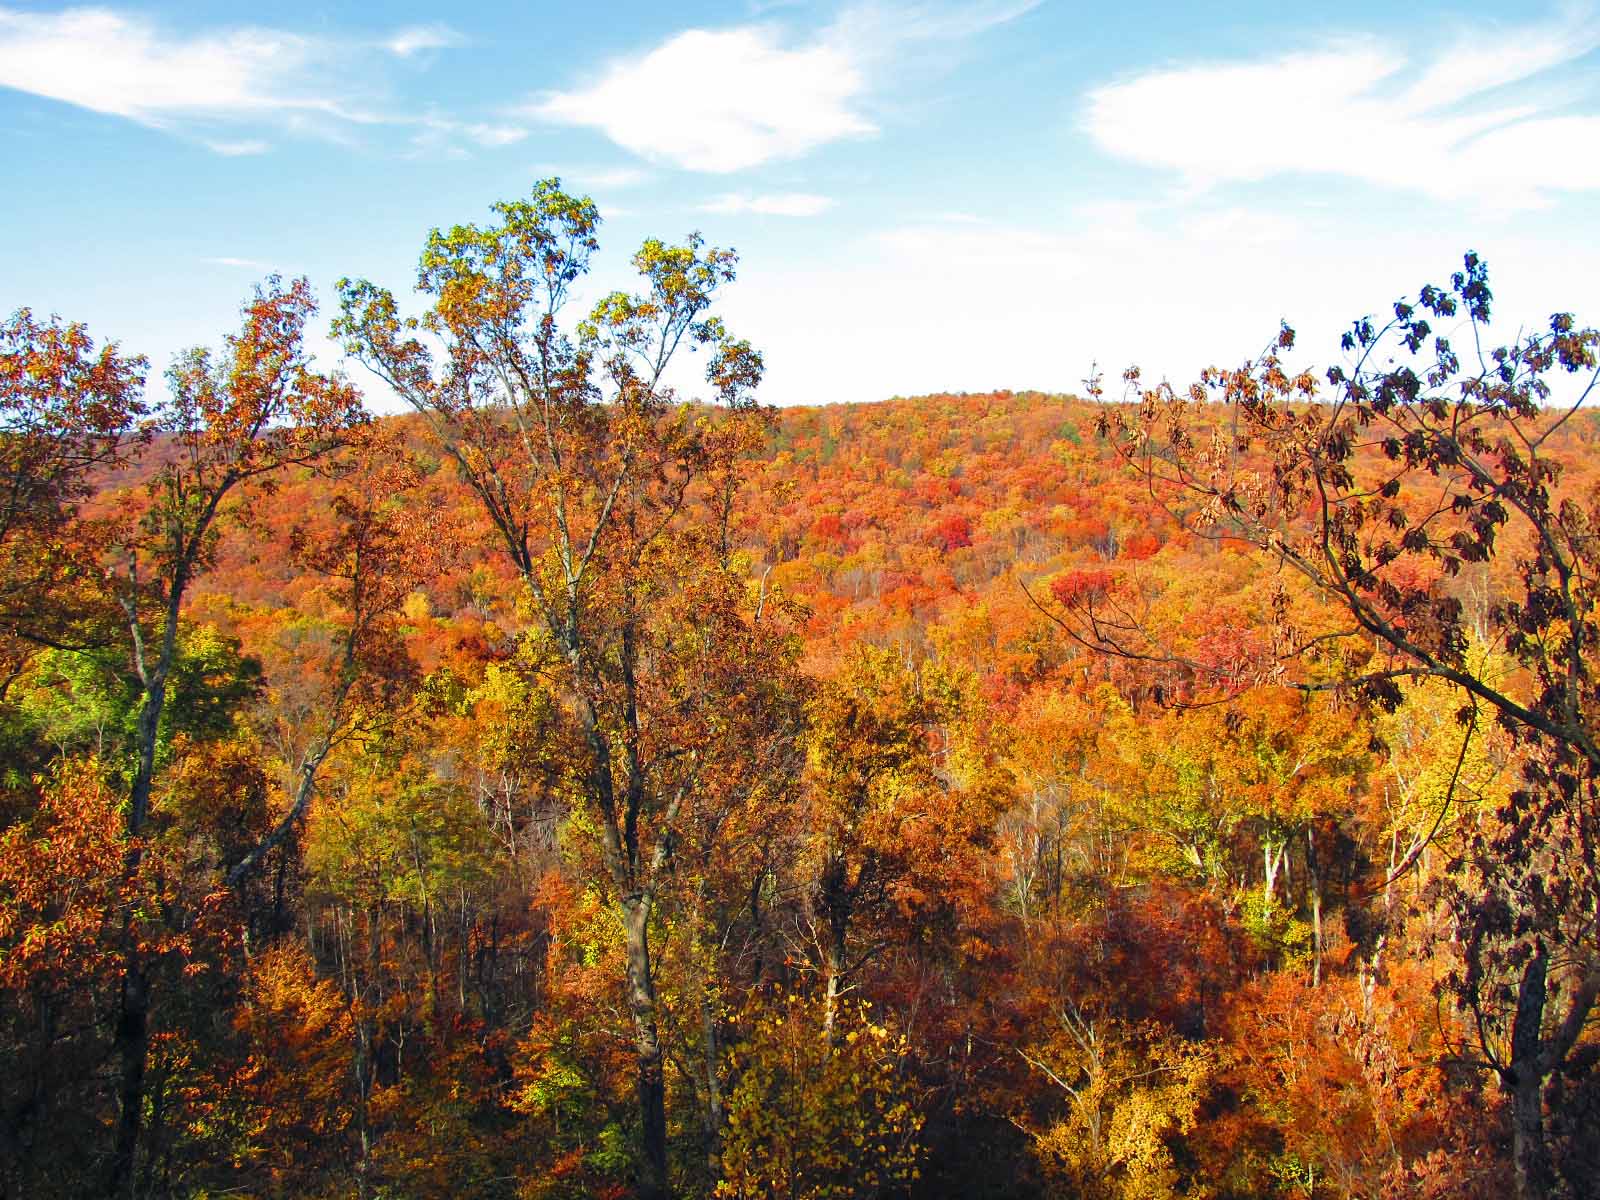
720,101
1453,125
414,39
724,100
781,204
101,60
229,261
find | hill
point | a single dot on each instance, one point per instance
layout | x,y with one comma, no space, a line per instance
982,855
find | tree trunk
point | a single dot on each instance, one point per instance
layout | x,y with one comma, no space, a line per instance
132,1035
836,903
1273,853
366,1037
133,1048
148,733
708,1015
710,1028
831,994
1315,879
1524,1078
647,1047
1531,1155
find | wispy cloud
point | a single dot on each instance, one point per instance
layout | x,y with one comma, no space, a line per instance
725,100
489,134
442,136
247,264
596,176
1453,123
781,204
876,27
197,83
101,60
239,149
415,39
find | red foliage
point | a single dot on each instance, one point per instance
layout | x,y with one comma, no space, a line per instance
953,532
1083,587
829,528
1140,546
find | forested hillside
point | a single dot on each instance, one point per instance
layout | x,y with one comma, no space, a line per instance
563,791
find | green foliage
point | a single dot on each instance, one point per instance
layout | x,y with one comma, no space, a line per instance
397,833
561,1092
1275,928
88,702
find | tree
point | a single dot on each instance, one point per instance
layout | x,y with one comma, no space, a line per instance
232,422
379,549
87,702
67,410
813,1119
1379,483
283,1098
62,887
572,442
896,816
1130,1092
1346,1084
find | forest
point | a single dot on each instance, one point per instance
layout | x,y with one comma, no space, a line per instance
592,784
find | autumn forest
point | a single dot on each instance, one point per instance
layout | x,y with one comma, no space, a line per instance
588,781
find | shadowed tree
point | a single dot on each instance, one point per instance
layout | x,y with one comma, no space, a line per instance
1379,482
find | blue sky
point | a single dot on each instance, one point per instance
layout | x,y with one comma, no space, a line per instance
925,196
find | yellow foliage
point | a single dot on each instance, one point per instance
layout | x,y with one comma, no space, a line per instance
1130,1091
811,1119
